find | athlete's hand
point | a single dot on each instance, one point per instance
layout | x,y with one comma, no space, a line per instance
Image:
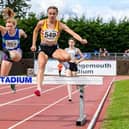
84,41
33,48
77,61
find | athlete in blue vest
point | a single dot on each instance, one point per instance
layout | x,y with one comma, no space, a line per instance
11,46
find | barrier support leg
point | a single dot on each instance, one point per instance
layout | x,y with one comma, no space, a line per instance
82,118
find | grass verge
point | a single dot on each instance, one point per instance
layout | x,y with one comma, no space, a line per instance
117,115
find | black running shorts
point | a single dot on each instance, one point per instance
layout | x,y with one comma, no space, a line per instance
48,50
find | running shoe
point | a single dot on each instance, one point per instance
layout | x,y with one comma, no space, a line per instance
13,88
37,93
70,100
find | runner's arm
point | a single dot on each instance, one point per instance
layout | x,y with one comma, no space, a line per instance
71,32
81,55
35,32
2,29
23,34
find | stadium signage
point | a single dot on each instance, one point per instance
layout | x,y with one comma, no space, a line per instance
15,80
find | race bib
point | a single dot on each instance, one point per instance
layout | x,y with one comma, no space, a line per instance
50,34
11,44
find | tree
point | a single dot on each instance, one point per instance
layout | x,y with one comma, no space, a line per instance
20,7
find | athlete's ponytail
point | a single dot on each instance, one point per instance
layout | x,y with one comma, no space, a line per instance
8,13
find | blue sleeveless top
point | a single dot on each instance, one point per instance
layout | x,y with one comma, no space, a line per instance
11,42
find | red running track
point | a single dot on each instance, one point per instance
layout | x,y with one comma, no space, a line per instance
51,110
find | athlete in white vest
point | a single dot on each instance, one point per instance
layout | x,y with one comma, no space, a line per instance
71,66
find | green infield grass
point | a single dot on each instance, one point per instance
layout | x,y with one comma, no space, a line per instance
117,115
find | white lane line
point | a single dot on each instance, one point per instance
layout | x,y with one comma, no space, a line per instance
42,110
4,87
10,92
34,105
93,121
29,96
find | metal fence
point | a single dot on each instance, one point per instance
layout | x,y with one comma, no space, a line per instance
110,56
87,55
90,56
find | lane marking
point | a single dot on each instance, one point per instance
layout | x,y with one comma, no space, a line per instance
10,92
96,114
29,96
44,104
4,87
42,110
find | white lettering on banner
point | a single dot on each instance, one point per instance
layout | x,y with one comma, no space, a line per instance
99,67
87,67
